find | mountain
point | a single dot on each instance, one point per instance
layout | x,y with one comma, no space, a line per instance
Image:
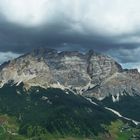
51,95
90,74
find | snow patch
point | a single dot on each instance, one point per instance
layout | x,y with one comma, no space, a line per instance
101,98
44,98
116,99
90,100
57,85
67,92
119,115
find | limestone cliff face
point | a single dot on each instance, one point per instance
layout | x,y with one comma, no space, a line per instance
90,74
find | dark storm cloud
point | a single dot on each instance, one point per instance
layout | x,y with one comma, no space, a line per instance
19,39
102,25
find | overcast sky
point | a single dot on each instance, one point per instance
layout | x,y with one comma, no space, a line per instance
111,27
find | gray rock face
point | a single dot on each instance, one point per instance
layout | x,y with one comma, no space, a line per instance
89,74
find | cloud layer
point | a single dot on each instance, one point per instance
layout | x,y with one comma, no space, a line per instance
112,17
5,56
107,26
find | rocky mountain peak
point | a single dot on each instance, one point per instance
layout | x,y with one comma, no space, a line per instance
132,71
90,74
92,52
42,52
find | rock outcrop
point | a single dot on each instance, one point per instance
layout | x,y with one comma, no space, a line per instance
89,74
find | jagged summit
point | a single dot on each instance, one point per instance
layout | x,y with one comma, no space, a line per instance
89,74
42,51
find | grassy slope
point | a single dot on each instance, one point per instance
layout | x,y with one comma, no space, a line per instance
114,132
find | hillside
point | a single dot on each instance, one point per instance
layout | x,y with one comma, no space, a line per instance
47,95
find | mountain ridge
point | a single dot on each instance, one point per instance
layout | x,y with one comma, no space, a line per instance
91,74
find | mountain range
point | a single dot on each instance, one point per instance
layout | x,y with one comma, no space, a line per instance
89,74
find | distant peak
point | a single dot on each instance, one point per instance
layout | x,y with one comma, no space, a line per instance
92,52
133,71
43,51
